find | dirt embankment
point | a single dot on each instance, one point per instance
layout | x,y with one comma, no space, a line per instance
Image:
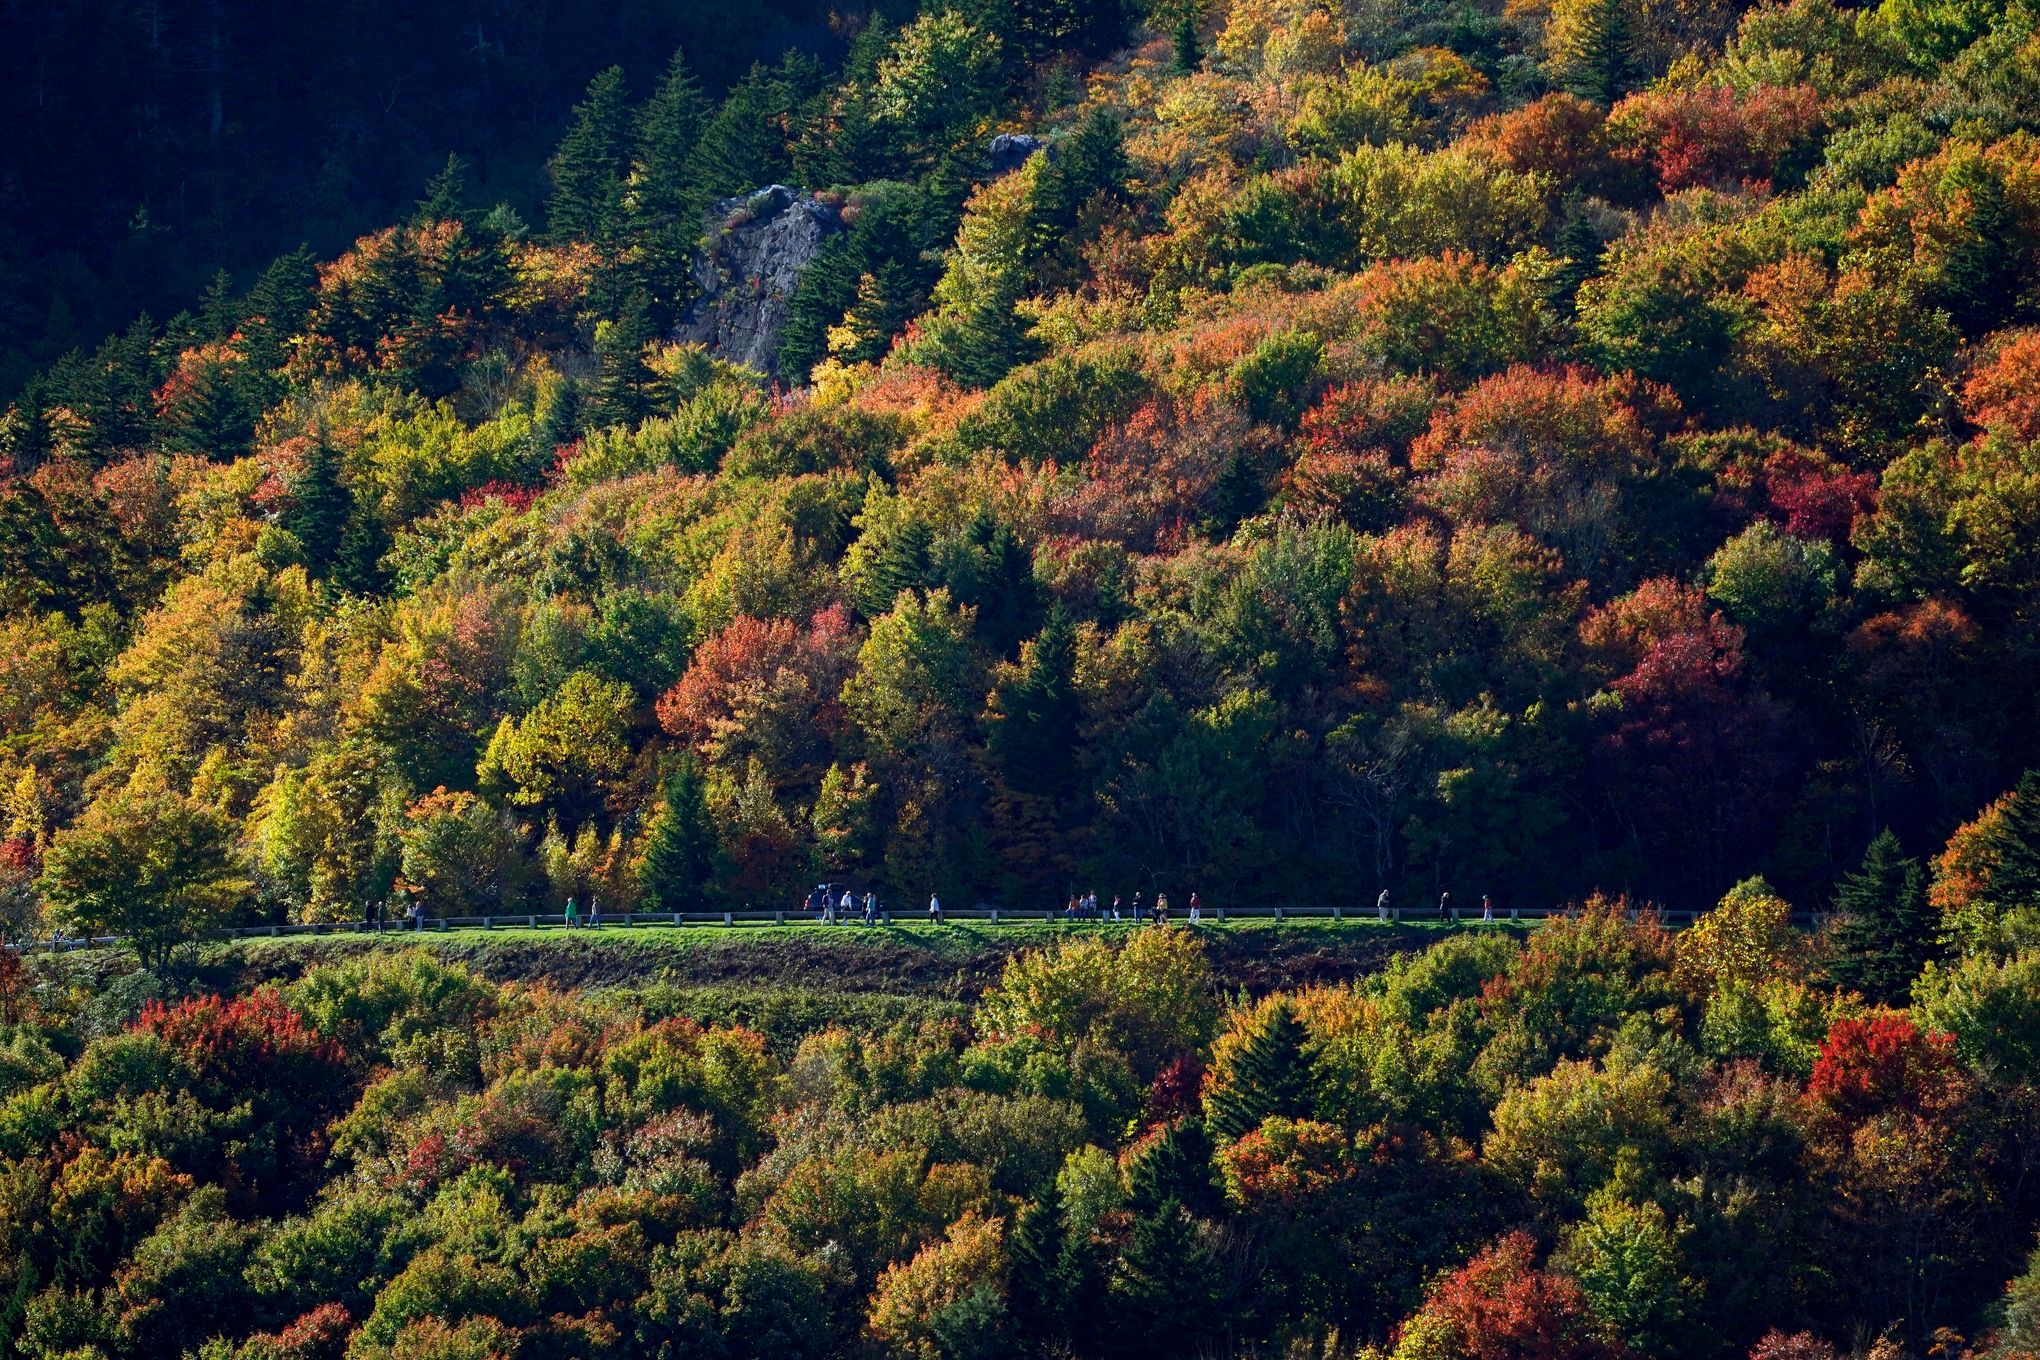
956,964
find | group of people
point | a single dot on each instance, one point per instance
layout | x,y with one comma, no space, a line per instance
1445,912
834,910
411,917
1086,908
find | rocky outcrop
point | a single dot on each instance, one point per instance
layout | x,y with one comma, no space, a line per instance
1009,151
756,250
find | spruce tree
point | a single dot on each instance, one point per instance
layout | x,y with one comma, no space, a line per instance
1033,713
1178,1166
1579,249
1040,1284
588,169
1162,1291
1890,932
899,561
1189,53
277,308
1271,1076
357,565
665,206
1589,44
738,150
321,506
626,385
2015,847
679,861
445,194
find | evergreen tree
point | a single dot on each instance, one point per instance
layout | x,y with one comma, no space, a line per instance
357,566
210,416
898,561
218,313
1041,1283
1891,930
1980,269
1579,250
1189,52
321,506
1589,48
2014,846
1237,495
740,148
665,205
1177,1167
1162,1291
1270,1076
679,862
626,385
26,438
276,310
588,169
446,194
1032,714
828,288
1091,160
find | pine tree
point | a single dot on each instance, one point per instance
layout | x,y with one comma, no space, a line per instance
679,862
588,169
1177,1166
26,437
2015,847
1270,1076
828,288
1189,53
1891,931
321,506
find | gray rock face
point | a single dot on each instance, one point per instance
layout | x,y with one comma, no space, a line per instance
756,250
1009,151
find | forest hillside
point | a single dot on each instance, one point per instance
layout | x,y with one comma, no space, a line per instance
1574,454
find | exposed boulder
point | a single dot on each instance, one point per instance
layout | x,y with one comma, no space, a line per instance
755,250
1010,150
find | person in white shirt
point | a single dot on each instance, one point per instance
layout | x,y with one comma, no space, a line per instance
934,908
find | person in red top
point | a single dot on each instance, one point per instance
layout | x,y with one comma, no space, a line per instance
1196,908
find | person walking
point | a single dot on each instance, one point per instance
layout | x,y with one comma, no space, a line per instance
934,910
870,907
1444,906
1139,908
1161,909
573,913
1487,908
1381,905
1196,908
372,918
1115,906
